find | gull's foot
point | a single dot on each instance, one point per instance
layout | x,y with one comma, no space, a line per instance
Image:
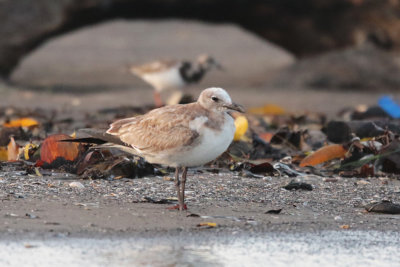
176,207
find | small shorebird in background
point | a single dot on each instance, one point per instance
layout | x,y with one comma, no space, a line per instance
180,136
172,75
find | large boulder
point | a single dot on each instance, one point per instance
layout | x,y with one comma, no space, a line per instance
358,68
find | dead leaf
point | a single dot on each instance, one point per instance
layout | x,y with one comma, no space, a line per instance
114,166
324,154
12,150
22,122
267,136
3,154
17,132
265,167
391,158
52,149
367,170
37,172
290,138
345,226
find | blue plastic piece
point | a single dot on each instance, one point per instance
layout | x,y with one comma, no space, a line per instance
389,106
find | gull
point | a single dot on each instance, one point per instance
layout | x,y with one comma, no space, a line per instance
181,136
173,75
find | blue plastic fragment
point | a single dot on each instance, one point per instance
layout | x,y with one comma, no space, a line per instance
389,106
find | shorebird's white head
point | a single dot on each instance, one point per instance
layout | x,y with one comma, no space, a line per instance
217,99
208,62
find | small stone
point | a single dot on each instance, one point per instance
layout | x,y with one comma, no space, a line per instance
77,185
363,182
338,218
31,216
168,178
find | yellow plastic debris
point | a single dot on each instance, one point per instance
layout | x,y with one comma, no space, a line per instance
22,122
269,109
209,224
27,147
242,125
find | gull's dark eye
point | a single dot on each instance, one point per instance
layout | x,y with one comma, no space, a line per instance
215,99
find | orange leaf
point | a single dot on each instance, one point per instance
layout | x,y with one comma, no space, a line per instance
269,109
266,136
52,148
22,122
324,154
12,150
3,154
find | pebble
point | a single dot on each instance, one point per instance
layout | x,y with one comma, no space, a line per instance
77,185
338,218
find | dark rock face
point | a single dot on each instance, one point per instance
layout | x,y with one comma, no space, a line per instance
357,68
303,27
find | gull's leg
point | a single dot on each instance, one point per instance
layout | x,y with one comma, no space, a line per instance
157,99
183,183
177,186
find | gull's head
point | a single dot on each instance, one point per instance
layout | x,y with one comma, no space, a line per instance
217,99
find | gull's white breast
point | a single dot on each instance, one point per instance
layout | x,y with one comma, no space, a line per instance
165,80
211,144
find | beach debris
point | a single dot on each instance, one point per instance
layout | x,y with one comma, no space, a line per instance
21,122
56,153
3,154
160,201
323,155
389,106
294,185
364,142
12,150
254,167
31,216
384,206
105,165
241,125
268,109
29,150
286,169
276,211
10,153
27,245
207,224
